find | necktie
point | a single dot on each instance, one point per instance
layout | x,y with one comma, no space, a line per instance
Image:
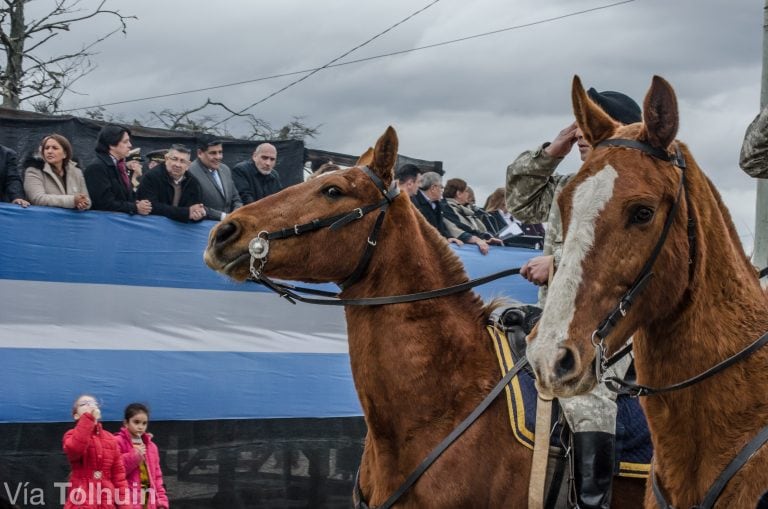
217,179
124,174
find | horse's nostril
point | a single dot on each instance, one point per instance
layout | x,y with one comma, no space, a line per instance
565,363
225,232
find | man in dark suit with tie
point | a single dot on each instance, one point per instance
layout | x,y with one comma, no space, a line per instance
107,177
428,199
220,196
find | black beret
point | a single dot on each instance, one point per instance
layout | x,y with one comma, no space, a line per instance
619,106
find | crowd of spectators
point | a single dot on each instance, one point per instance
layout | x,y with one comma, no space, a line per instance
169,183
117,180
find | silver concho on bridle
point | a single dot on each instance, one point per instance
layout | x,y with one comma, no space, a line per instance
258,247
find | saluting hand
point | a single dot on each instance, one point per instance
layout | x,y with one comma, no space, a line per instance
563,143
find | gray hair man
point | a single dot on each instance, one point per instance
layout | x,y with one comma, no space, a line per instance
256,178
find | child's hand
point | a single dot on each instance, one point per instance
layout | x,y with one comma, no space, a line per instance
141,449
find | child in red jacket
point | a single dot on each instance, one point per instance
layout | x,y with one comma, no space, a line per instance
98,477
141,460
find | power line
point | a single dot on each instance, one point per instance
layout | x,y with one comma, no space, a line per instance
295,82
350,62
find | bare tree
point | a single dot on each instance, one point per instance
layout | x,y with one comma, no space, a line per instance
259,129
42,80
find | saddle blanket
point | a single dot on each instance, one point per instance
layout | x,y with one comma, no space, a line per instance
633,439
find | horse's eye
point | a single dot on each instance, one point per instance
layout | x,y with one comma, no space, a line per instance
641,215
332,192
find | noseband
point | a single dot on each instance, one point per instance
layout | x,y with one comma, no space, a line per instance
258,247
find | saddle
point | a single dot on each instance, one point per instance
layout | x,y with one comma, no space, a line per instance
633,445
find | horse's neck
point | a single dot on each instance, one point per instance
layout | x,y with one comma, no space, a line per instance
416,363
724,311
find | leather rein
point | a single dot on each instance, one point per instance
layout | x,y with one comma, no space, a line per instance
625,302
258,248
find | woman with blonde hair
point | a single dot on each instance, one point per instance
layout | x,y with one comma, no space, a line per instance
53,179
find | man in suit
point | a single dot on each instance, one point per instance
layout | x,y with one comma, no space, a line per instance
256,178
11,183
220,196
173,193
428,199
109,184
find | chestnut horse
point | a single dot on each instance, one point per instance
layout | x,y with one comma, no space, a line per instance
634,209
419,368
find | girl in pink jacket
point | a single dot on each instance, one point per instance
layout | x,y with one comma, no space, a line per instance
141,460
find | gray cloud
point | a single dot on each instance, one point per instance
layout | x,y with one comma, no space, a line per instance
474,105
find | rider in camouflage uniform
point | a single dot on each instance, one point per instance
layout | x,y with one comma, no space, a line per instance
754,151
531,192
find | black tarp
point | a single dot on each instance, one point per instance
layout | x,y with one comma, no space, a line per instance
23,130
232,464
319,157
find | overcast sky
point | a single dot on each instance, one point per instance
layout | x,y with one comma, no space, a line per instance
475,105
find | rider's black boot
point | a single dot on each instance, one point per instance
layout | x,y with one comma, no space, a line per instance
593,468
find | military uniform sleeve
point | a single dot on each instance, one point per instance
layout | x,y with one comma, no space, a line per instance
754,150
531,185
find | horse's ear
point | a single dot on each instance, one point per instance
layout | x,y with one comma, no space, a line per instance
591,119
385,155
660,115
366,159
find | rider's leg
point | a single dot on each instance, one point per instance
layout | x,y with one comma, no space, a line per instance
592,418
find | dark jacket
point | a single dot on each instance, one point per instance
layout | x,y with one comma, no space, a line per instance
252,184
106,187
11,182
157,187
433,216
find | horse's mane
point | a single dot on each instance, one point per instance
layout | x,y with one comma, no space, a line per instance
450,262
733,234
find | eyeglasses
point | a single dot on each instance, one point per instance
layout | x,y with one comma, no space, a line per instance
88,402
439,186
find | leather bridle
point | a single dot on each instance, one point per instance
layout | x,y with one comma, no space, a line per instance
625,302
258,247
643,278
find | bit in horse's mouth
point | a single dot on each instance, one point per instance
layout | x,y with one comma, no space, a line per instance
228,267
220,265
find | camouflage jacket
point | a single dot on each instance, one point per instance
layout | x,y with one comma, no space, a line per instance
754,150
531,192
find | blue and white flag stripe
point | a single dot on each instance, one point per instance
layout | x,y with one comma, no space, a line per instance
123,307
